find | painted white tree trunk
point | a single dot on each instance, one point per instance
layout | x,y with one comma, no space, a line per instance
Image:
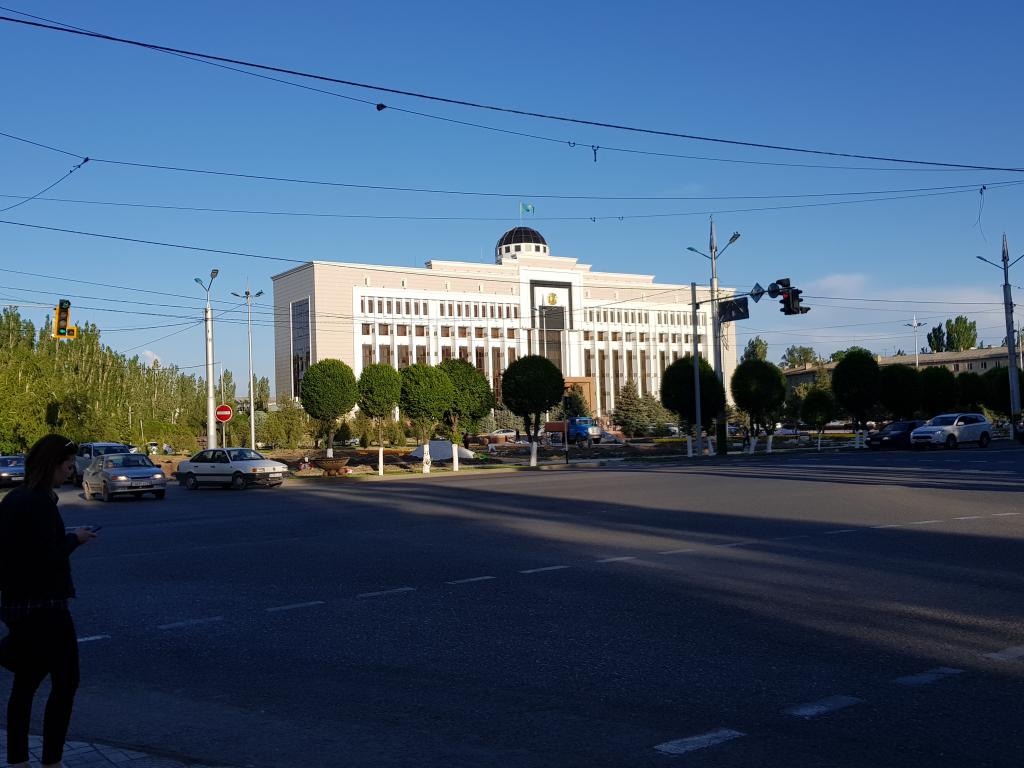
380,460
533,453
426,458
455,457
753,444
819,441
768,448
689,446
330,451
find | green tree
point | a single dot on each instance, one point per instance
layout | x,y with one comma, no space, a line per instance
839,354
380,388
573,404
427,392
855,384
472,399
937,339
759,388
677,393
997,388
262,394
961,334
899,390
329,392
504,418
797,357
756,349
530,386
818,409
658,415
938,390
630,413
971,390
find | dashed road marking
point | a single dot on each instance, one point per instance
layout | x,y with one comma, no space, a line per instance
931,676
969,517
616,559
384,592
891,525
693,743
547,568
1007,654
823,707
91,638
841,530
1004,514
190,623
675,551
924,522
294,606
471,580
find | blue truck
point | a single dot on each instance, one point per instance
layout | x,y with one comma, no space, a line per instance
581,429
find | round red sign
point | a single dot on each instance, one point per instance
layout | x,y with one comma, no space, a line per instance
224,413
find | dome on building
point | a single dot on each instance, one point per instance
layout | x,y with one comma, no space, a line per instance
520,240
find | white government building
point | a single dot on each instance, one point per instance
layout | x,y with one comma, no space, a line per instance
600,328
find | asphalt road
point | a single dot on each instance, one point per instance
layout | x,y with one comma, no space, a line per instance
826,610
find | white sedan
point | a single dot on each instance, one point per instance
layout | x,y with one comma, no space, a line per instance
234,467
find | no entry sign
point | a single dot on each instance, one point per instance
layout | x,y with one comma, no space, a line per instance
224,412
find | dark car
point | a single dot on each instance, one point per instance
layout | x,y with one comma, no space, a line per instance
895,435
12,469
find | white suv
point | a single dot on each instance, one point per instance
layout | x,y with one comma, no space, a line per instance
951,429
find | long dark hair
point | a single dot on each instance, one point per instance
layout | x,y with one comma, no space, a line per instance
43,459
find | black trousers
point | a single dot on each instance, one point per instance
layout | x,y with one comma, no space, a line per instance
42,644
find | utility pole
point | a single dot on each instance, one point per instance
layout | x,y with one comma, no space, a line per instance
696,374
917,349
211,405
1011,341
252,395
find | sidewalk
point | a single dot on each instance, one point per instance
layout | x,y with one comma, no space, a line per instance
80,754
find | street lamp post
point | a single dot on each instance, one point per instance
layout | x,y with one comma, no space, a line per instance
211,405
1011,341
917,348
248,296
716,327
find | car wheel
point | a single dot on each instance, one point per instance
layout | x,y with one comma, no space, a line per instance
950,442
238,481
984,440
190,482
105,493
159,494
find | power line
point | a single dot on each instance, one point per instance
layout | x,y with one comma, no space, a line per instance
496,108
46,189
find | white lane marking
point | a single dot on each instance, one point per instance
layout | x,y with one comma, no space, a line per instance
1004,514
675,551
1007,654
547,568
383,592
710,739
893,525
734,544
924,522
841,530
969,517
823,707
471,580
190,623
90,638
931,676
293,606
615,559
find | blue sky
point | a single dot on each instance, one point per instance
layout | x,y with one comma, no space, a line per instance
933,81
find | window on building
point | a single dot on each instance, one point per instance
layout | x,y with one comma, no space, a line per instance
403,330
383,329
481,359
362,305
458,309
616,336
643,373
301,344
630,336
403,355
495,333
380,306
367,329
588,363
675,338
463,332
441,309
601,335
588,335
501,313
446,330
408,307
515,311
384,352
519,248
984,365
367,355
479,333
510,333
643,337
390,305
446,353
663,337
464,353
416,307
450,312
421,330
421,354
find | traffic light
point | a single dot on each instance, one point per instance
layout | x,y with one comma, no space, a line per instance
780,288
61,319
794,303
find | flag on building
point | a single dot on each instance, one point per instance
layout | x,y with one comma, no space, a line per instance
525,208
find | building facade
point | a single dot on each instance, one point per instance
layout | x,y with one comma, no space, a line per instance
603,326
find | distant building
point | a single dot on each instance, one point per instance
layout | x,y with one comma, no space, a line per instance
604,327
969,360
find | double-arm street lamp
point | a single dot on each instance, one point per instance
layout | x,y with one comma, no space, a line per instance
252,396
211,405
1011,341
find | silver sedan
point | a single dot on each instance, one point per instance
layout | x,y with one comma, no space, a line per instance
123,473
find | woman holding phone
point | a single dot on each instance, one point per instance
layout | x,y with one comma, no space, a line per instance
35,590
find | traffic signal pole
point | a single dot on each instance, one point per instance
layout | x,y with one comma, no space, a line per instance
698,430
1011,340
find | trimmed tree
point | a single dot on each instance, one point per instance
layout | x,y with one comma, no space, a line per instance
328,393
677,392
818,409
900,390
971,391
938,390
530,386
380,388
997,388
630,413
471,400
855,385
575,403
427,393
759,388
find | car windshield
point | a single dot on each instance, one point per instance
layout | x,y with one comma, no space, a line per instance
11,461
103,450
898,426
942,421
244,454
128,460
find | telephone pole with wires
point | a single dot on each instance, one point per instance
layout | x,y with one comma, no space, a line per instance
1011,340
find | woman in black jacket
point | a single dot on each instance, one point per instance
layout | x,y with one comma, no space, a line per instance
35,588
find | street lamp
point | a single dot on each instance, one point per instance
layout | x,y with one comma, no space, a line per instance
1011,341
252,397
917,348
211,406
716,328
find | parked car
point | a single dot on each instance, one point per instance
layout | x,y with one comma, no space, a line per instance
234,467
119,474
89,451
952,429
894,435
12,470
